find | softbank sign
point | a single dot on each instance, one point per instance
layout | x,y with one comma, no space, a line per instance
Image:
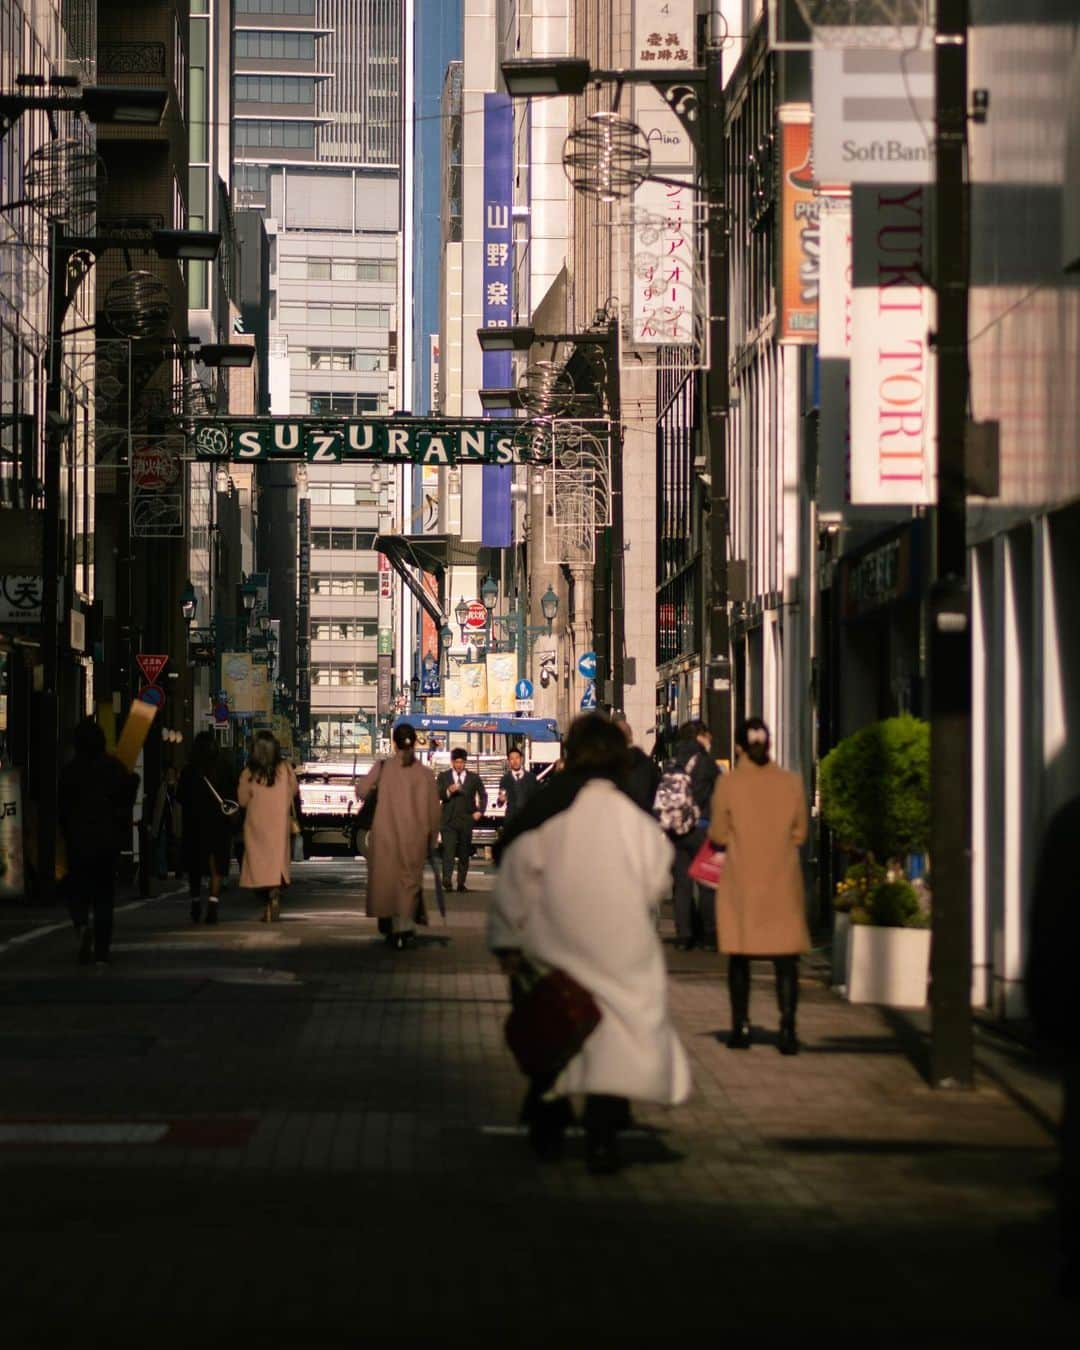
874,108
893,444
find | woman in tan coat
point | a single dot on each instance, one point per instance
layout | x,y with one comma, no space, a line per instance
266,790
759,816
401,836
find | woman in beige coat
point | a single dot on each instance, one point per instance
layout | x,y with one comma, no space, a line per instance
266,790
759,816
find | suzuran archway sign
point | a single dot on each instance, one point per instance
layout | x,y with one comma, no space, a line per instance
400,440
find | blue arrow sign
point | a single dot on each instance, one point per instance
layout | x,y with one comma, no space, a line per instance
588,699
153,693
587,667
523,689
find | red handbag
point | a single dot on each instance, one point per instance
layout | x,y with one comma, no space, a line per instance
708,865
552,1018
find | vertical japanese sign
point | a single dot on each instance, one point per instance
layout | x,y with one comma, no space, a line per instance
893,445
496,309
303,623
664,33
799,238
664,264
834,353
386,582
11,835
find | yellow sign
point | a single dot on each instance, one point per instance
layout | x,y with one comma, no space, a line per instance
465,692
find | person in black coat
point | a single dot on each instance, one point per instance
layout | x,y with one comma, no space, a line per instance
642,774
1052,1001
207,831
96,797
464,801
517,786
693,752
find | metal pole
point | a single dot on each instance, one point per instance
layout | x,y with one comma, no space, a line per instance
718,648
949,638
49,707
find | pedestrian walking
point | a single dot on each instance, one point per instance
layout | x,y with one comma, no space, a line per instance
642,773
206,781
266,792
400,838
759,816
575,891
464,801
96,797
1051,998
692,758
517,786
165,825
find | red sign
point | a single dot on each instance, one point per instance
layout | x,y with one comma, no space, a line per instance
154,465
151,666
476,618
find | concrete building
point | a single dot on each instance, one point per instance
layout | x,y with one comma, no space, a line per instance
318,146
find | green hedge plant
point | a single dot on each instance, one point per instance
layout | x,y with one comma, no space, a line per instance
875,789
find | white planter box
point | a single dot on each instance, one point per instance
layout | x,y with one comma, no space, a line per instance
841,929
890,966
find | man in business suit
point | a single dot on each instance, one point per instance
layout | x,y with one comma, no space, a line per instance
517,785
464,800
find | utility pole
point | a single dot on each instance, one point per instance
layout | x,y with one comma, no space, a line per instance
717,673
949,610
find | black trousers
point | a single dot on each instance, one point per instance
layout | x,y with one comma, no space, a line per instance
692,922
456,843
787,987
605,1115
91,885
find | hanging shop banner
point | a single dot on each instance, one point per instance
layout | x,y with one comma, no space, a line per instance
12,872
799,237
236,681
874,107
664,264
385,688
158,490
663,33
502,682
496,529
262,693
366,440
465,691
893,446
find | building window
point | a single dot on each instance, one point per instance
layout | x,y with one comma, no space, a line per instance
336,675
344,583
345,630
275,46
290,135
365,360
275,89
341,494
381,270
252,178
347,404
323,314
275,7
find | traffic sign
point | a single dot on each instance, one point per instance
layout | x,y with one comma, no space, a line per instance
153,693
525,705
587,667
221,712
476,618
588,699
151,666
523,690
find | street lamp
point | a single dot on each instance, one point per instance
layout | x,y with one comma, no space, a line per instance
101,103
264,621
489,593
226,355
461,613
249,593
520,337
189,604
528,77
549,606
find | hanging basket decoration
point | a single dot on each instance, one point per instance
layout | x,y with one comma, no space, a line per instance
607,157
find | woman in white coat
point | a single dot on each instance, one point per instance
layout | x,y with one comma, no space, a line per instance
577,885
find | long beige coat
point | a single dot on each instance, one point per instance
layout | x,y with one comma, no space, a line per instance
759,815
267,842
406,818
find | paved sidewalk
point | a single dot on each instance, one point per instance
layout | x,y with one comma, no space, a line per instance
295,1137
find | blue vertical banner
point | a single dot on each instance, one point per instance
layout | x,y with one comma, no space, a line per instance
497,309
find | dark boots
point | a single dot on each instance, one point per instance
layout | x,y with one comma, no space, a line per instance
787,999
739,988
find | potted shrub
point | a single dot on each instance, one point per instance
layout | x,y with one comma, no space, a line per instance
875,797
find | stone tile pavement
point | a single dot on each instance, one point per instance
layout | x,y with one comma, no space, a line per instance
295,1137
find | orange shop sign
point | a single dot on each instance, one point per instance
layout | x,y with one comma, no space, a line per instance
800,241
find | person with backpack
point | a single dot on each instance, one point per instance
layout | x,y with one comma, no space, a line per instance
682,805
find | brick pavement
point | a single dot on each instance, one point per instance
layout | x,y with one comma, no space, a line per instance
328,1156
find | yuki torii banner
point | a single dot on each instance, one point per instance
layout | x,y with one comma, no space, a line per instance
893,371
497,309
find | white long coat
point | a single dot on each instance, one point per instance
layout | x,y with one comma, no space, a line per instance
577,893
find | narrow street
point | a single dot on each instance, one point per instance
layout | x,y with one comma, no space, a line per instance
293,1136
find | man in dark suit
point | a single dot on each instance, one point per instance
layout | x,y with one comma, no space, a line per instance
517,785
464,800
